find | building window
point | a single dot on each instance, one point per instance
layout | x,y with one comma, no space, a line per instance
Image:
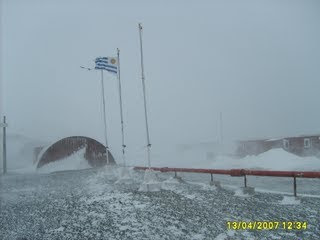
307,143
243,147
285,144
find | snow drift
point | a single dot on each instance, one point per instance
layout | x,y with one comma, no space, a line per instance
75,161
274,159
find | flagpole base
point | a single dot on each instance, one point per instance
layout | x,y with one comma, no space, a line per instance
151,182
124,176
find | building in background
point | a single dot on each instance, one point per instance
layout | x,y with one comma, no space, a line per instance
304,145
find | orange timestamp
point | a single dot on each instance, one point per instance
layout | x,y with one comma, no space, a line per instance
267,225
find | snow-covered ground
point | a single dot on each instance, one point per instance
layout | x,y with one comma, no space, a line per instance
56,203
88,204
20,160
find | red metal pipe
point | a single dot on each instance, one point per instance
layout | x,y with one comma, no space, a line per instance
238,172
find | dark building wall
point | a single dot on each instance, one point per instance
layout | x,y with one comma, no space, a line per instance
298,147
95,152
295,145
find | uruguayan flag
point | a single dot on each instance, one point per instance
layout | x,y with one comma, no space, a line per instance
107,63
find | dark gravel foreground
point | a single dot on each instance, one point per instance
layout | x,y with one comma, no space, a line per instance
89,205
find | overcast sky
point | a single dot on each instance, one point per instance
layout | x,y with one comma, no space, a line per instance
258,62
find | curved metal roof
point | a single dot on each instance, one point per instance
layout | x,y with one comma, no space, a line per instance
95,152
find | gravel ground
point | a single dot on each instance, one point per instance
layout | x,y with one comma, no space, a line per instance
90,205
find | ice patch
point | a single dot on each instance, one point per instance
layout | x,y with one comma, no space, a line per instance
290,200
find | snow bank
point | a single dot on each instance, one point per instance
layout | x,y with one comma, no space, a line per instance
75,161
274,159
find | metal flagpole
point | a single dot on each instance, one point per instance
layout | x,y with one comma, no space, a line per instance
104,117
144,96
121,110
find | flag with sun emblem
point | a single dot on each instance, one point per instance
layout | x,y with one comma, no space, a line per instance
107,63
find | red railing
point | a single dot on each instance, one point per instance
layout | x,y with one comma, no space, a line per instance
238,172
241,172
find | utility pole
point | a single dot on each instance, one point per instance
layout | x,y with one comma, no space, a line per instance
221,128
4,147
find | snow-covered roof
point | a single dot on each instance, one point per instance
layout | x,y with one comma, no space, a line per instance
278,138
